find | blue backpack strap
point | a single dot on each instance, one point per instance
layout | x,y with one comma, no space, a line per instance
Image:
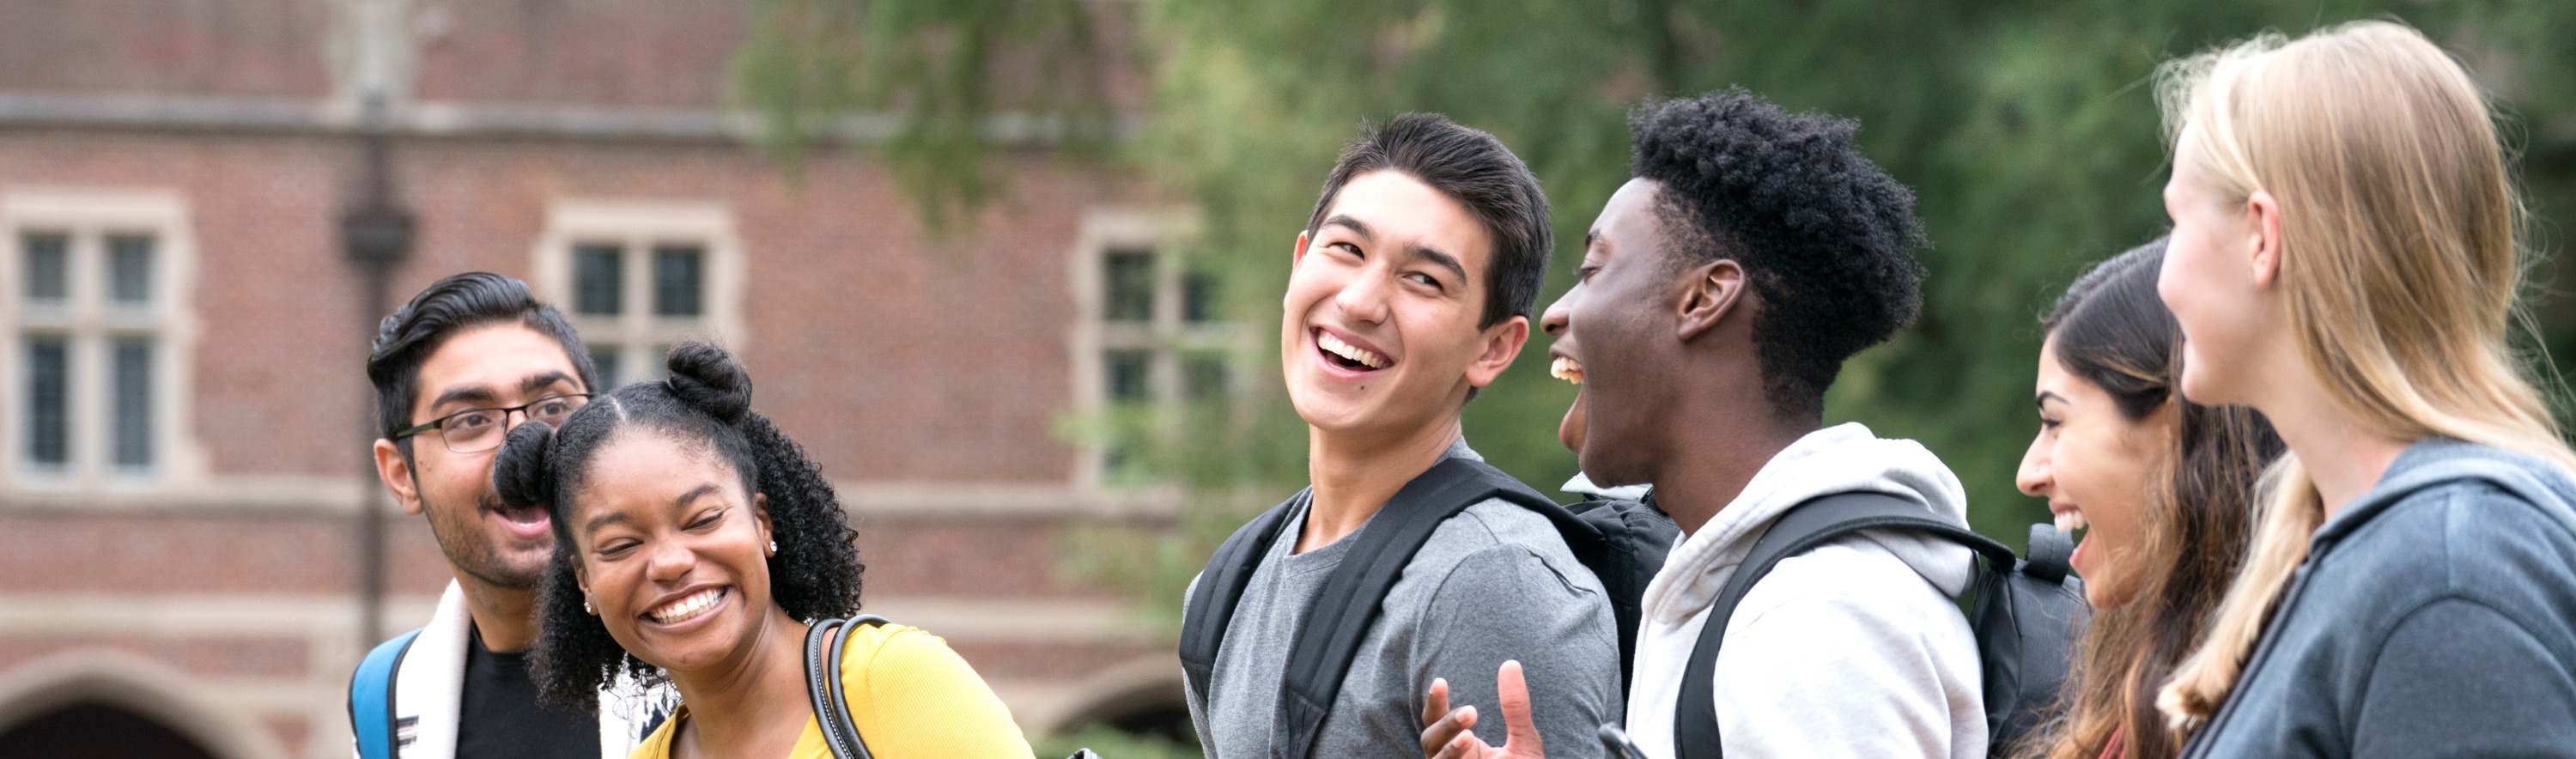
371,697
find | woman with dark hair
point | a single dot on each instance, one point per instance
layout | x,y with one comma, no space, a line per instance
693,539
2162,487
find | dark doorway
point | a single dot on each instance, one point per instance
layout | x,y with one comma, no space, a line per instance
87,730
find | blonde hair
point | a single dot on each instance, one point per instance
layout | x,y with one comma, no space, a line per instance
2398,269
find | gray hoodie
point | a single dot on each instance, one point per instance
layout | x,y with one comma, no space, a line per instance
1853,649
2435,616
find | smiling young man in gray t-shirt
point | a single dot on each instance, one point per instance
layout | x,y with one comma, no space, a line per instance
1409,289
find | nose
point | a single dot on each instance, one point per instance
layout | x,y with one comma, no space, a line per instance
670,562
1364,297
1560,315
2035,477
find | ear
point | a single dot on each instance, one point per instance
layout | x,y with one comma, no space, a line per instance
1502,344
395,471
1708,292
760,515
2263,214
1298,256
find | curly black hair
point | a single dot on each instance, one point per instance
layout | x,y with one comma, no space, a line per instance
1826,236
706,402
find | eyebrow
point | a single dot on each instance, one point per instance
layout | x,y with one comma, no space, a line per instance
619,517
2045,396
1355,225
1443,259
478,394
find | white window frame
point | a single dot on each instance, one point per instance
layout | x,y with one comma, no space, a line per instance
89,216
636,227
1168,335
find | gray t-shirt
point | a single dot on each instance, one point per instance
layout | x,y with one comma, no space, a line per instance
1492,584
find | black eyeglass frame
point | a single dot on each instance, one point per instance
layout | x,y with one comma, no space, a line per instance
440,423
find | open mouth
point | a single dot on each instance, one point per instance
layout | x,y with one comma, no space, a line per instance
1566,368
526,524
685,608
1340,353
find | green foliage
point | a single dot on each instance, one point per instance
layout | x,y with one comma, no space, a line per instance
953,81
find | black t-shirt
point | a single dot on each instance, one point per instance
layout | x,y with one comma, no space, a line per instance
501,719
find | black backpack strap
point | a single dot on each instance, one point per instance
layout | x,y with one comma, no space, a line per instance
1210,607
1805,526
823,684
1350,600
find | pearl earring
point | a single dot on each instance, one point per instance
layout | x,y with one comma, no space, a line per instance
585,608
773,548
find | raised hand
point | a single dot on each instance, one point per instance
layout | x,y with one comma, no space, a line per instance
1446,734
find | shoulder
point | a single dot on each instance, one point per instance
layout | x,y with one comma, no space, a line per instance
2460,534
1851,587
1499,543
880,652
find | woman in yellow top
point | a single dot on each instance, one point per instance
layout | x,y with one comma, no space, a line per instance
691,538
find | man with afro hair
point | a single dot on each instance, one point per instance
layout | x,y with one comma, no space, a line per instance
1720,291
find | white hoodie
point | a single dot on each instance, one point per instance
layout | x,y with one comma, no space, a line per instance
1853,649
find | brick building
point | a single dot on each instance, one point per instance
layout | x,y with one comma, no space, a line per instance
183,465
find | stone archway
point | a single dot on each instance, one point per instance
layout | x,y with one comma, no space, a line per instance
1140,697
106,703
90,729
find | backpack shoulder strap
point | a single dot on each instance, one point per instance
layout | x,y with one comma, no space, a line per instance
1805,526
823,683
1210,607
371,697
1350,600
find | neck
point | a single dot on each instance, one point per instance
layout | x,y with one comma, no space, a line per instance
751,704
1715,452
2343,457
1355,474
505,617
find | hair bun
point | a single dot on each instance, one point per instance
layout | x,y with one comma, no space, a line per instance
707,377
521,475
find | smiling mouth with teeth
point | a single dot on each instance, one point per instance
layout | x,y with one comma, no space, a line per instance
1566,369
2070,521
688,608
1346,355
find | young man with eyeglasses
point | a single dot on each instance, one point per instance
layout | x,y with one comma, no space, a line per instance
466,360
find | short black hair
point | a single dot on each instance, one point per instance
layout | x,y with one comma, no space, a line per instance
1825,236
1474,169
465,301
706,402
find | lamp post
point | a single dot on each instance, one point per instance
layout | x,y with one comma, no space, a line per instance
376,234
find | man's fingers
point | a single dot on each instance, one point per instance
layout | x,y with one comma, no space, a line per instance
1437,738
1520,732
1436,703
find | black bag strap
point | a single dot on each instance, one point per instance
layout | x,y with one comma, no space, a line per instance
1815,522
1211,605
823,684
1352,596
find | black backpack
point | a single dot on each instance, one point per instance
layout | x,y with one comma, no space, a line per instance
1622,542
2026,614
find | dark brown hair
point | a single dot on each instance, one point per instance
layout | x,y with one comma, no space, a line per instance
2113,332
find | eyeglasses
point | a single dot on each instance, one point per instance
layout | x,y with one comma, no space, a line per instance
476,430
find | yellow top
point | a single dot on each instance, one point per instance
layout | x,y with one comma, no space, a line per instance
911,697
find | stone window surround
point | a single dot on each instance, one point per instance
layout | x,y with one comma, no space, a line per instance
636,226
179,463
1167,334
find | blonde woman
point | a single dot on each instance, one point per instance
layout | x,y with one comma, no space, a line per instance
2343,260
